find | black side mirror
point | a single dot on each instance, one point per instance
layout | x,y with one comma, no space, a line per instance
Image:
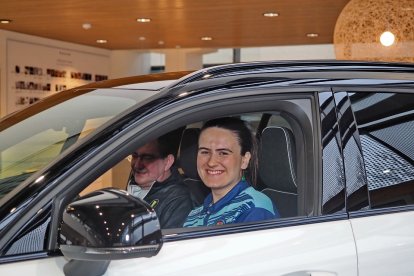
109,224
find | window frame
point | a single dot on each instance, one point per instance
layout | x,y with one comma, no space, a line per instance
236,101
375,89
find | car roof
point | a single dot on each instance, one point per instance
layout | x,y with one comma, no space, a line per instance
322,67
290,73
322,72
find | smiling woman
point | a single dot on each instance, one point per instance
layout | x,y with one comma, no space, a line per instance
225,150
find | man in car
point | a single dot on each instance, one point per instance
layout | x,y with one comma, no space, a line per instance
156,180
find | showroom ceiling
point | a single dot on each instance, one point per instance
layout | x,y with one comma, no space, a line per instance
175,23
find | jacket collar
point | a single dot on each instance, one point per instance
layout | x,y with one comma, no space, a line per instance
172,179
214,207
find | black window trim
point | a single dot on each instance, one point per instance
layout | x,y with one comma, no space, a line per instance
126,140
240,101
376,89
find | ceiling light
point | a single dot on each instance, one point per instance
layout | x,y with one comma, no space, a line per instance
86,26
143,20
160,42
312,35
101,41
271,14
142,38
206,38
5,21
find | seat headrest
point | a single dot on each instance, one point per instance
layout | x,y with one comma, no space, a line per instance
277,159
188,152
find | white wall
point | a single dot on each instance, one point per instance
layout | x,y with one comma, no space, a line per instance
157,59
126,63
302,52
219,57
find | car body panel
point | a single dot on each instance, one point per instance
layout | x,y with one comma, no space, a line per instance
320,247
38,267
327,248
385,243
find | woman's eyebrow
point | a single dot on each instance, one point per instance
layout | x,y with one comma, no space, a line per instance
220,149
224,149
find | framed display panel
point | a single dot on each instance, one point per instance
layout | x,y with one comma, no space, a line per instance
35,71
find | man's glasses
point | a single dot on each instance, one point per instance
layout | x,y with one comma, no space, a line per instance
145,158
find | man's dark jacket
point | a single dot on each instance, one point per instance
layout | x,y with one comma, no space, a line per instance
171,200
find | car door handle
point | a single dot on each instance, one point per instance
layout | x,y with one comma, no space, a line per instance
311,273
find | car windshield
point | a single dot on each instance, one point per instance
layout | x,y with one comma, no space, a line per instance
32,143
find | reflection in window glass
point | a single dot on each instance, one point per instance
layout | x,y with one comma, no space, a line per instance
386,127
31,144
30,155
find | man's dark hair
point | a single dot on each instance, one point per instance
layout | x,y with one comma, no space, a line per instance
170,142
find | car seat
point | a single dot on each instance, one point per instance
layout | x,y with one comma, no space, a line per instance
187,157
277,169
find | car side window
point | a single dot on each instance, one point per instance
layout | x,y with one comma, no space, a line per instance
386,127
276,175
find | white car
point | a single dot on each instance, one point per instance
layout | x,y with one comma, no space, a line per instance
336,158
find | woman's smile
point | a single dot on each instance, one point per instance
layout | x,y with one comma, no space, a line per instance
215,172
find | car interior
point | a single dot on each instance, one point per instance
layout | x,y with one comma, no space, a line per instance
281,173
277,174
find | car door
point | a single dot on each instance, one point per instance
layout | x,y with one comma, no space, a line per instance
318,241
309,248
384,232
38,266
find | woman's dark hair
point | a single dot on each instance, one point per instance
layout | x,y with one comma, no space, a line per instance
245,138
